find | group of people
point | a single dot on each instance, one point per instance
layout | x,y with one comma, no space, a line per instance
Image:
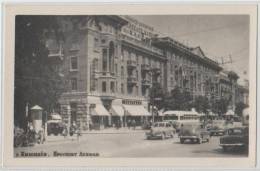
131,123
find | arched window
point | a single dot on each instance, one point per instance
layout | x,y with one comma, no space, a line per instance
111,56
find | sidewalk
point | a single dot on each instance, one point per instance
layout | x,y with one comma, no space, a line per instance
123,130
61,139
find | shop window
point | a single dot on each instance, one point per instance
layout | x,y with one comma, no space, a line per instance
73,63
74,84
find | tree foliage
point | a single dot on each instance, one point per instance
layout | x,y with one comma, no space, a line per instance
36,79
220,106
178,100
156,92
240,106
201,104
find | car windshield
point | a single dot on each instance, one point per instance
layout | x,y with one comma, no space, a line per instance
159,125
190,126
235,131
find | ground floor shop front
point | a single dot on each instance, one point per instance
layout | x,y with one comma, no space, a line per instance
93,112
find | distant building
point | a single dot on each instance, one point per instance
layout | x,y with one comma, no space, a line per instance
242,94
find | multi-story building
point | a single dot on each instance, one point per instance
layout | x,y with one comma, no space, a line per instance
189,68
111,63
242,94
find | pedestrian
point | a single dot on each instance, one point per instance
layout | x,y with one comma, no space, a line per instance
129,123
78,131
133,123
118,124
65,130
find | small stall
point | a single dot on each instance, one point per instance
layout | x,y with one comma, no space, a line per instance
36,116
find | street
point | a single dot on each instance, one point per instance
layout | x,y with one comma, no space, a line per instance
127,144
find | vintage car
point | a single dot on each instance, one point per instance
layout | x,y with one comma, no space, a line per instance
161,130
235,138
55,127
194,133
217,128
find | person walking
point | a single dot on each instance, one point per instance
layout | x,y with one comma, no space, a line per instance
129,123
133,124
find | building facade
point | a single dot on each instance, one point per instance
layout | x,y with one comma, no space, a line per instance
110,63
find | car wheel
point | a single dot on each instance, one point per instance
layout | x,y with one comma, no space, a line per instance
182,140
163,136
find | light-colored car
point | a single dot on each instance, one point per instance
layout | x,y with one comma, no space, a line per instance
193,132
161,130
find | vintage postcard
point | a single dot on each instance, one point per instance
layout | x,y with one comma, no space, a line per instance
130,85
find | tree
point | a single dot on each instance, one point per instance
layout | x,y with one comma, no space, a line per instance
156,92
201,104
36,79
220,106
178,100
240,106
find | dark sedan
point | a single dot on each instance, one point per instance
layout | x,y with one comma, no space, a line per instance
193,132
235,138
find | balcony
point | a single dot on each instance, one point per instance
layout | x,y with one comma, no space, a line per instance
56,53
146,83
141,44
131,80
131,64
145,67
106,74
156,71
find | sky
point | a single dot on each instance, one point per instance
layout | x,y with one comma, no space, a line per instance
219,36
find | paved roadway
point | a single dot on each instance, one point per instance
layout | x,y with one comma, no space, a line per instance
129,145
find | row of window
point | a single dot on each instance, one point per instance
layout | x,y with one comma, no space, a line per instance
131,102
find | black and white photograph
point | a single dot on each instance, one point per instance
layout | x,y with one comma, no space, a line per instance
132,86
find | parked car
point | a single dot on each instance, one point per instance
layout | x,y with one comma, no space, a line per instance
235,138
55,127
194,133
161,130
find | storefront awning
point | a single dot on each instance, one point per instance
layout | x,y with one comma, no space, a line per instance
55,116
230,112
100,110
117,110
136,110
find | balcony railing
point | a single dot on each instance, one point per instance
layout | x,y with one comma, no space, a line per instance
56,53
146,82
156,70
142,44
145,67
131,80
131,64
